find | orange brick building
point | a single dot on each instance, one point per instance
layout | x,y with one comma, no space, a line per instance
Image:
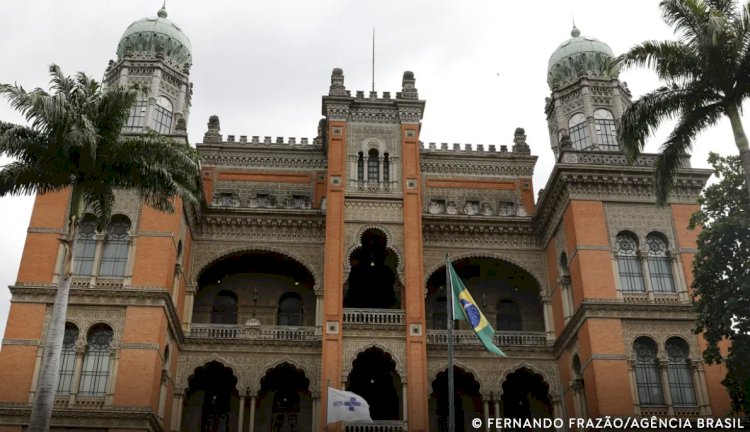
322,262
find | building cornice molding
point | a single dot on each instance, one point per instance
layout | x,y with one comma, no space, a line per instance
475,163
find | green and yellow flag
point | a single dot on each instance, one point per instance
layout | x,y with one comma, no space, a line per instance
465,308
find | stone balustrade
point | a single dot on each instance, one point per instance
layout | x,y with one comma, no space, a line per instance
376,426
501,339
377,317
260,333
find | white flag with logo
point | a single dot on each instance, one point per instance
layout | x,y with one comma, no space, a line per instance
347,406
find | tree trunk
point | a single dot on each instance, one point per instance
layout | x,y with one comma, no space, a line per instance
742,143
49,374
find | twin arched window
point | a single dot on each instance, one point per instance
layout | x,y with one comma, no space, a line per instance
96,365
604,124
631,270
115,249
509,316
578,132
161,121
648,372
290,311
373,167
224,310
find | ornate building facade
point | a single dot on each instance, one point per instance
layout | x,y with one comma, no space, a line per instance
322,262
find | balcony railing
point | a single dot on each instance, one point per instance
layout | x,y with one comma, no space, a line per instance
377,317
501,339
260,333
376,426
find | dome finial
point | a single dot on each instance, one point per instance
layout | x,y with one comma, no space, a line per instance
575,32
163,11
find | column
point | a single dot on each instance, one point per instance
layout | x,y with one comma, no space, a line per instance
318,310
616,272
547,304
564,287
381,183
703,389
496,404
252,414
557,410
97,259
35,377
679,279
175,424
646,276
111,380
241,414
665,386
163,393
187,314
405,405
128,279
315,412
77,368
486,411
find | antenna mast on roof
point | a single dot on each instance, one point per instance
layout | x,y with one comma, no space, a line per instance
373,59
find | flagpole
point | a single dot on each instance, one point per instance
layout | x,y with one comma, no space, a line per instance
325,428
449,320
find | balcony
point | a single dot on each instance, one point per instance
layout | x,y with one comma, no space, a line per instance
230,332
376,426
502,339
369,318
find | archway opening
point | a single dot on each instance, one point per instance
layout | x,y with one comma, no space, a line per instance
268,286
467,400
508,295
372,281
211,401
374,377
284,401
525,396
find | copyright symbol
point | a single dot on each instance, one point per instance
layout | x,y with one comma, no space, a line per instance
476,423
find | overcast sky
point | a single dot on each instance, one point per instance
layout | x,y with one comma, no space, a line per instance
263,66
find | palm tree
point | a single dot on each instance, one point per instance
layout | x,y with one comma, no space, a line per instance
73,142
707,76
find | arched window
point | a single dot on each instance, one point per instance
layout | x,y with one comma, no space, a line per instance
679,372
136,117
629,264
386,169
647,377
290,311
579,133
509,316
85,249
162,118
373,168
361,167
439,313
225,308
115,251
659,264
67,359
604,123
96,361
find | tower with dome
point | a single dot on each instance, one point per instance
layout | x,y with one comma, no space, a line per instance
321,262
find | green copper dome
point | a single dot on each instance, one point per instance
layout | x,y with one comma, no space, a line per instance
153,36
579,56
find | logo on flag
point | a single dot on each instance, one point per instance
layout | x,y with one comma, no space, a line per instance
347,406
465,308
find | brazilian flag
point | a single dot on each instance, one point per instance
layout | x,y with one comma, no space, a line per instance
465,308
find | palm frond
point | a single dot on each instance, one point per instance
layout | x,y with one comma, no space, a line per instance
676,148
671,60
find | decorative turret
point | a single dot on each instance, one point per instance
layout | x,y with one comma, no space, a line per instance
587,96
154,54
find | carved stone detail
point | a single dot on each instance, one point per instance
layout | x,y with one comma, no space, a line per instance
206,253
640,219
531,261
86,316
248,368
660,331
394,347
375,211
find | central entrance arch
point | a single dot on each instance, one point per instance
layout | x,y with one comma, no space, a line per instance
525,396
467,401
284,401
374,377
212,402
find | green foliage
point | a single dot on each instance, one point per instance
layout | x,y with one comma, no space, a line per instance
706,74
74,140
721,287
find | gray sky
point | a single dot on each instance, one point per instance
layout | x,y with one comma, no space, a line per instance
263,66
